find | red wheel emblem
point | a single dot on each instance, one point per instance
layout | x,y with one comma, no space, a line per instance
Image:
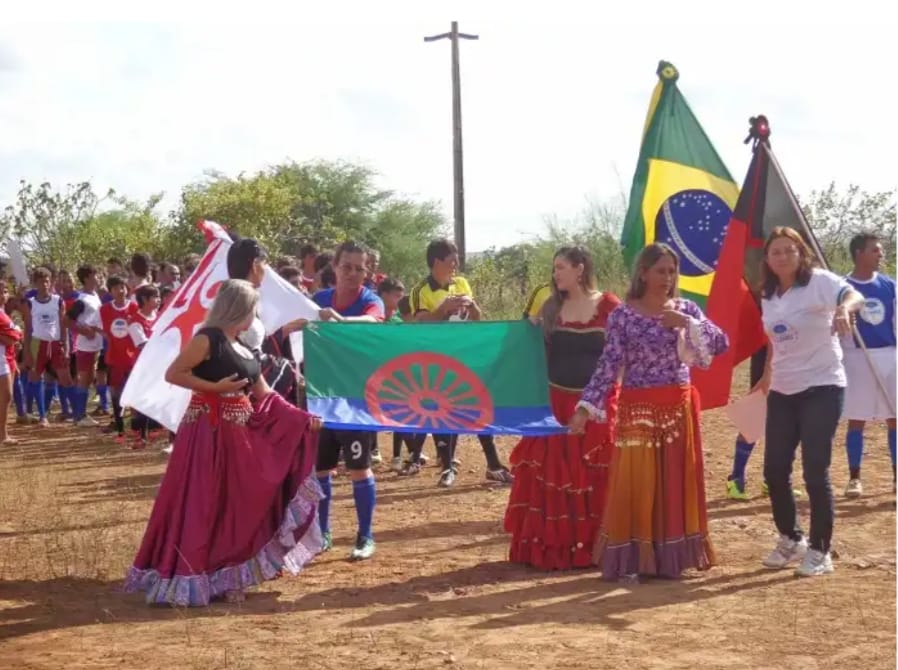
429,390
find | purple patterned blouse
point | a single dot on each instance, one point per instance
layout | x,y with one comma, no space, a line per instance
649,354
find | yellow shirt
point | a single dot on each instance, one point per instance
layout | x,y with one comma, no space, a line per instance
537,300
427,295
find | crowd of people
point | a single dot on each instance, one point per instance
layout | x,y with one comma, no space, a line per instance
623,489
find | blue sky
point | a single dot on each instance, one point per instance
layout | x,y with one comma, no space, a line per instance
552,110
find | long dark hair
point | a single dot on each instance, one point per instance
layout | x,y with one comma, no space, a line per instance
244,251
646,259
576,256
806,261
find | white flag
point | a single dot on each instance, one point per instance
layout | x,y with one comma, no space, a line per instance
146,389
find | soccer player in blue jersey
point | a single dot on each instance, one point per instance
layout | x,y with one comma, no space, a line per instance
349,300
865,400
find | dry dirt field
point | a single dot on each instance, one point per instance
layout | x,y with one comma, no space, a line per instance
439,592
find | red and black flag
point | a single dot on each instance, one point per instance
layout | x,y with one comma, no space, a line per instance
765,202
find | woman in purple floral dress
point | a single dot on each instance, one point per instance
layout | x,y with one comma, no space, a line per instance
655,521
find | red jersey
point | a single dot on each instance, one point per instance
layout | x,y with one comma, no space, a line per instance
120,351
141,328
10,330
307,282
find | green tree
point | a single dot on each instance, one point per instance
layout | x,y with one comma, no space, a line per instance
504,278
321,202
836,215
400,231
46,221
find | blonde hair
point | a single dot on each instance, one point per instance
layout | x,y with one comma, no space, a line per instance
236,301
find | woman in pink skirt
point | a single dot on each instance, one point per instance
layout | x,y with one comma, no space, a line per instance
238,502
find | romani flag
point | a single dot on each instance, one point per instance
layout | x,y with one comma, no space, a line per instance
765,202
457,377
682,195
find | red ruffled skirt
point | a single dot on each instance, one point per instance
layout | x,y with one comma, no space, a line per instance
560,482
237,505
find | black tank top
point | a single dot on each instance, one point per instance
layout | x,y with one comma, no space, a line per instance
225,361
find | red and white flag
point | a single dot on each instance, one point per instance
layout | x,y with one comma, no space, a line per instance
146,390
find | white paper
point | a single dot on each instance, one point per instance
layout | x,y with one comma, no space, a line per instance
749,415
17,261
296,346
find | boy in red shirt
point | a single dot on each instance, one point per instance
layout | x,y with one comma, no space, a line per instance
140,329
10,337
121,352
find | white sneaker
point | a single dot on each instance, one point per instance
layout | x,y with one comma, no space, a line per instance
854,489
815,563
396,464
87,422
786,551
167,450
376,458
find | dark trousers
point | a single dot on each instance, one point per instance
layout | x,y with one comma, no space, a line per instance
809,418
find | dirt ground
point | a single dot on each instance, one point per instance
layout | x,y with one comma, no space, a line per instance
439,592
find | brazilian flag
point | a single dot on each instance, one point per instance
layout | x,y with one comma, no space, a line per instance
682,193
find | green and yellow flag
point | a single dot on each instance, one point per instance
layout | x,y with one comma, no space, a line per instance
682,193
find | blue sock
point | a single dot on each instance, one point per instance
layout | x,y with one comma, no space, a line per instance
365,494
65,399
66,402
18,393
79,402
49,394
29,395
83,398
854,445
37,392
740,459
103,395
324,505
892,447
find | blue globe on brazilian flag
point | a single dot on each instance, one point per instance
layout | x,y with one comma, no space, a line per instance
682,193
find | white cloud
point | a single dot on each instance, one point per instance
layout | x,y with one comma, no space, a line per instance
552,111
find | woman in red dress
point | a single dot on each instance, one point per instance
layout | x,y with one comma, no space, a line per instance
239,501
556,502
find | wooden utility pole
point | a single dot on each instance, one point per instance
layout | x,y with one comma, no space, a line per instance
459,195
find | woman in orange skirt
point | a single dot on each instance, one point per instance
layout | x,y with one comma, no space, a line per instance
656,521
556,500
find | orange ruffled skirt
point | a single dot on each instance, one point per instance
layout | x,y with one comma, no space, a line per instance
656,520
560,482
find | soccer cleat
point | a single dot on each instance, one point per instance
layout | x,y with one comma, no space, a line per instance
422,459
396,464
786,551
815,563
502,476
854,489
447,478
363,549
736,490
410,469
327,541
86,422
167,450
376,458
